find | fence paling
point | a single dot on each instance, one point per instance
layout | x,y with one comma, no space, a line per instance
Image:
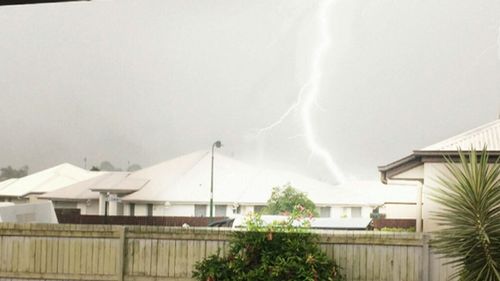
103,252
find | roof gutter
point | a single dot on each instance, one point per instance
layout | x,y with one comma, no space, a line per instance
421,156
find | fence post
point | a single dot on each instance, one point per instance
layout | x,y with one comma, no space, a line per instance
121,253
425,257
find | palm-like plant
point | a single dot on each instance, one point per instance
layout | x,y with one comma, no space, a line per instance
469,217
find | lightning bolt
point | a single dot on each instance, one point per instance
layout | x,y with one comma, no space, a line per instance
308,95
282,118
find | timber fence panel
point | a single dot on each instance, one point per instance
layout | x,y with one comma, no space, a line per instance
143,253
55,252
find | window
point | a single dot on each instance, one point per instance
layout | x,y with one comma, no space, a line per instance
345,212
150,210
237,210
200,210
324,212
220,210
355,212
132,209
258,208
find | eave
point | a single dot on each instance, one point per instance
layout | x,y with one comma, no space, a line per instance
419,157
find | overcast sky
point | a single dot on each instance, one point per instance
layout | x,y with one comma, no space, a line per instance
145,81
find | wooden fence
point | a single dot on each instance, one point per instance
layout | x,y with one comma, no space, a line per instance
143,253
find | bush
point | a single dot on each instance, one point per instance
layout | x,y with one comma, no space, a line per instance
275,252
469,217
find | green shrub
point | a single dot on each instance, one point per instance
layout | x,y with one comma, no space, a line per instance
469,217
274,252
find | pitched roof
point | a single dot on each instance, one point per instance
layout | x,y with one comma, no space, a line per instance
6,183
485,135
118,182
186,179
47,180
79,191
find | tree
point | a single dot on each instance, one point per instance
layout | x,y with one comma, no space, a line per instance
134,167
284,200
107,166
470,216
95,169
9,172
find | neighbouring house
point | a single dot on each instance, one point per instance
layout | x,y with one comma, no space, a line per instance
396,201
423,166
95,196
181,187
29,188
400,202
78,195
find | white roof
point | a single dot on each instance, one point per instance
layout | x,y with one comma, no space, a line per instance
186,179
487,134
80,191
6,183
46,180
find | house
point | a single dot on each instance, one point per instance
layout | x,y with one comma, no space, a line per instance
92,195
423,166
29,188
181,187
78,195
395,201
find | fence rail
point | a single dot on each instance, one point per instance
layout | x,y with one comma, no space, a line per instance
143,253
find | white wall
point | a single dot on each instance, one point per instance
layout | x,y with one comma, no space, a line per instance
338,212
189,210
245,210
431,173
366,211
184,210
399,211
89,208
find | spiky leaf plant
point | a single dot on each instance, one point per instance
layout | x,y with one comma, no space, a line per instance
469,217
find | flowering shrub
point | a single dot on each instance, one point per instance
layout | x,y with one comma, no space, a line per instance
278,251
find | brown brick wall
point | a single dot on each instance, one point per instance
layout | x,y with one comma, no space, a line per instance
73,216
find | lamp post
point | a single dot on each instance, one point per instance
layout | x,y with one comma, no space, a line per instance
217,144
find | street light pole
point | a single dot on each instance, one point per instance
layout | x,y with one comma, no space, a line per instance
217,144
